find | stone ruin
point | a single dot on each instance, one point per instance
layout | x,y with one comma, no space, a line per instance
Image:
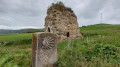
60,24
62,21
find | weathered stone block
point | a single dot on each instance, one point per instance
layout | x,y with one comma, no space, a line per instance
44,49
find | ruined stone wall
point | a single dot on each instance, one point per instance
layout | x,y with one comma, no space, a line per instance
63,23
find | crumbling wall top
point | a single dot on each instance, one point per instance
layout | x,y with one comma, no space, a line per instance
60,7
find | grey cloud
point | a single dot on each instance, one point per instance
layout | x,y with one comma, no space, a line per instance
92,8
19,13
27,13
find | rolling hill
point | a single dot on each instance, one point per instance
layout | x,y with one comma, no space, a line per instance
100,47
7,31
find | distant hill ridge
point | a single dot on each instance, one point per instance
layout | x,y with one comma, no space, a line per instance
8,31
103,24
30,30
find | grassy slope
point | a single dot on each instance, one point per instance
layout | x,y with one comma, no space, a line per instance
99,48
13,37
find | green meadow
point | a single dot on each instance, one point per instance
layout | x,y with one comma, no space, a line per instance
13,37
100,47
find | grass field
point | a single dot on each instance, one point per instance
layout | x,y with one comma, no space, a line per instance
100,47
13,37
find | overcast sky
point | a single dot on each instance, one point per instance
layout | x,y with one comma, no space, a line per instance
19,14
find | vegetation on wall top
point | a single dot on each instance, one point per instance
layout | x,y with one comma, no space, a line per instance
60,6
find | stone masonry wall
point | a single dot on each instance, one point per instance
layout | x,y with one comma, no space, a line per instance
64,24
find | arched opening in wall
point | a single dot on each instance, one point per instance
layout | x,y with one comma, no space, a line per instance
68,35
48,30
